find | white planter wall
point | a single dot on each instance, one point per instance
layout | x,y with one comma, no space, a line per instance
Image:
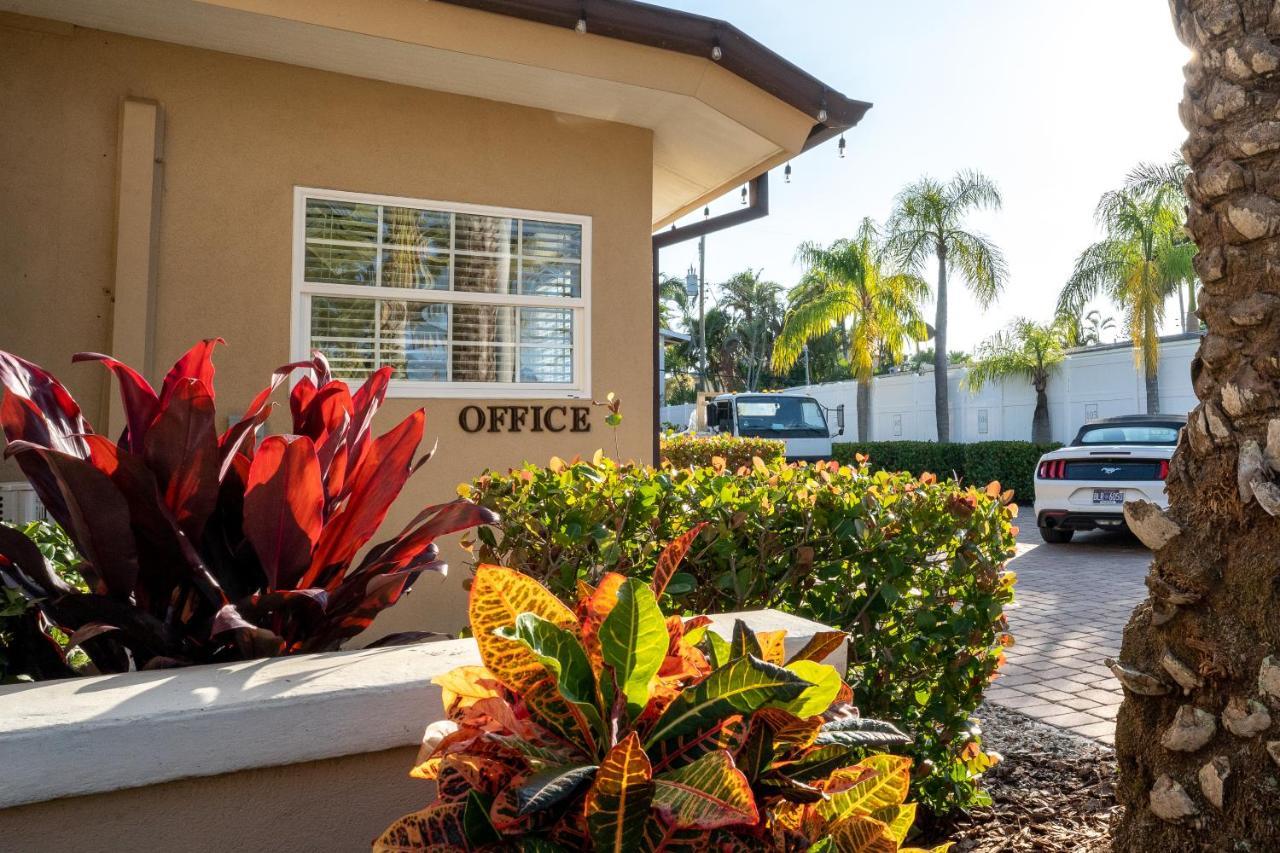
1097,382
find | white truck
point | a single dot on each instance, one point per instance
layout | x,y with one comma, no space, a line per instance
799,421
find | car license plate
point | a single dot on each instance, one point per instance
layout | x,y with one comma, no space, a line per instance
1108,496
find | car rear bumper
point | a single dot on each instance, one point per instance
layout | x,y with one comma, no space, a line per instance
1074,520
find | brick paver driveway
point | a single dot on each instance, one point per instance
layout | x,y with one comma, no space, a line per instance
1072,605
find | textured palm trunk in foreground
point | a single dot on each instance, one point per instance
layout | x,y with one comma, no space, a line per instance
1198,738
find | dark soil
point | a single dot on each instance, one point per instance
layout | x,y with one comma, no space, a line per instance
1053,792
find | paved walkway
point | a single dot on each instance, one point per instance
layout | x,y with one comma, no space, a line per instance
1072,605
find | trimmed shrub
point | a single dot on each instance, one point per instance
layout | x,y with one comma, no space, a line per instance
685,450
1011,463
912,568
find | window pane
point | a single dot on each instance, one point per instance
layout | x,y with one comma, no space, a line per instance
414,339
342,329
484,323
483,363
546,326
402,268
546,364
340,264
551,239
493,234
474,274
550,278
424,229
341,220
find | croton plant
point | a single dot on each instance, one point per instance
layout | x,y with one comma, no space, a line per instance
612,727
199,546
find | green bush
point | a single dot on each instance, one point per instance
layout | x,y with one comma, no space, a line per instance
685,450
1011,463
912,568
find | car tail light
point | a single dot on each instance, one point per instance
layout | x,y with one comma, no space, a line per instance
1164,469
1054,469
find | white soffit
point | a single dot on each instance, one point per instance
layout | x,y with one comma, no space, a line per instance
710,127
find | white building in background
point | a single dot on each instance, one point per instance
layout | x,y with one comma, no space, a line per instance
1094,382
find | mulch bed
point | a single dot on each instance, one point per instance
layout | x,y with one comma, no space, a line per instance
1054,792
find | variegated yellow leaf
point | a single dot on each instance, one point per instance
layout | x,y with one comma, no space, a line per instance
862,834
498,596
709,793
898,818
877,782
463,686
618,802
438,827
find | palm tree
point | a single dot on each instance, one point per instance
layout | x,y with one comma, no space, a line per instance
1084,331
1211,613
1025,349
928,223
1142,261
849,285
755,306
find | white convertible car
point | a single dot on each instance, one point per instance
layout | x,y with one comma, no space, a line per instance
1084,485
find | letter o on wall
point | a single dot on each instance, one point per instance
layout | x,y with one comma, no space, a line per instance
471,418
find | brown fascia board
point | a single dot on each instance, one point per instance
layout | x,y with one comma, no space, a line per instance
696,35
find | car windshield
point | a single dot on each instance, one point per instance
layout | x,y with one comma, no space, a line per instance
1129,434
779,414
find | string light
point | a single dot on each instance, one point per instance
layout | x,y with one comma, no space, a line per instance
582,25
840,146
786,173
744,195
716,52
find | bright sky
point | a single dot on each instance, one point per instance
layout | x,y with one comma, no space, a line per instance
1055,101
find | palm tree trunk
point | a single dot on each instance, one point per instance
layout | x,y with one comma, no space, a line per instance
1152,378
940,401
1212,606
1040,432
864,410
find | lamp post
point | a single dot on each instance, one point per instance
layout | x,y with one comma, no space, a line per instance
692,288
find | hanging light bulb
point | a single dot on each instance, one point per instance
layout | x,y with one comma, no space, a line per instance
744,195
786,173
706,212
716,52
581,25
840,145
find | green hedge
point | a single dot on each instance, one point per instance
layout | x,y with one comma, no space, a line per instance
912,568
1011,463
684,450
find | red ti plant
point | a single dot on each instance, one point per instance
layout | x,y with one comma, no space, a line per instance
200,547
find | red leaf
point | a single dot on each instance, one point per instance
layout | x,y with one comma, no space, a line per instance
97,517
375,483
140,401
181,447
283,503
46,414
195,363
671,557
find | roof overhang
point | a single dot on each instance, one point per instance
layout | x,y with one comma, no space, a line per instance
716,124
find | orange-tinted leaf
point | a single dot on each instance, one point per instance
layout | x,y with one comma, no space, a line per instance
593,612
498,596
463,686
672,555
821,644
619,799
772,646
559,716
437,827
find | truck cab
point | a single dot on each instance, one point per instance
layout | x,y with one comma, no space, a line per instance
799,421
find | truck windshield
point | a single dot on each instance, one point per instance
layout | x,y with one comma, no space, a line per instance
777,416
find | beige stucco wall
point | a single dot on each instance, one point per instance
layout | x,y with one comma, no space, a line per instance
239,135
338,804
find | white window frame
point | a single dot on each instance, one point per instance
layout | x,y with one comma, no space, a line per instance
300,325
